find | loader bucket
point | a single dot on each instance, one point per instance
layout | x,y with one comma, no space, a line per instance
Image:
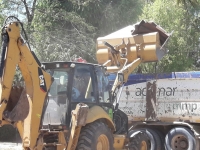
18,107
144,27
144,40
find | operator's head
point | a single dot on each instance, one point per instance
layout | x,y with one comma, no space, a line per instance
81,79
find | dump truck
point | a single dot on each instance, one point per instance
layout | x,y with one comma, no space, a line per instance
167,104
70,105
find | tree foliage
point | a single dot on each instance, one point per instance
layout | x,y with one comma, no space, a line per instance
193,3
184,43
65,29
69,28
59,34
108,16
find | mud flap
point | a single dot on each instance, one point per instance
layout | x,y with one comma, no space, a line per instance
151,102
18,107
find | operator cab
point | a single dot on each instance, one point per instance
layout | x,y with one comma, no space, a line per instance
74,83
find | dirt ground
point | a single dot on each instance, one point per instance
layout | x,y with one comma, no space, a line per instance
10,146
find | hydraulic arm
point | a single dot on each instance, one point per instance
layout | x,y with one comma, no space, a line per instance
27,114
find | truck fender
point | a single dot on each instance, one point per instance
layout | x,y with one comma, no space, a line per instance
95,113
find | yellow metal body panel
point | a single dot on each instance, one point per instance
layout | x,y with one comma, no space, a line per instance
119,141
62,141
95,113
79,116
138,46
35,95
20,128
12,58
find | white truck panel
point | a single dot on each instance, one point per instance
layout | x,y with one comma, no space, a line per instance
177,99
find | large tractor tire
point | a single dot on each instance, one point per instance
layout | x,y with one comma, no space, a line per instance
95,136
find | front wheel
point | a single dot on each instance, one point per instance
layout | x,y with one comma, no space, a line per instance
95,136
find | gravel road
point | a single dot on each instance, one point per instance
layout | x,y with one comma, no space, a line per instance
10,146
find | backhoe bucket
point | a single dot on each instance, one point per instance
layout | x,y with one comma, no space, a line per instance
18,107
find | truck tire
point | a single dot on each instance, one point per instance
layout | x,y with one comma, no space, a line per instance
180,138
151,137
95,136
157,138
140,141
162,138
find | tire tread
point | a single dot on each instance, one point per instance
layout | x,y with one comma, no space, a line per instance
87,134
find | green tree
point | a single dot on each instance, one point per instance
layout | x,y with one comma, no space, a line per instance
60,34
184,43
193,3
62,30
23,9
65,29
108,16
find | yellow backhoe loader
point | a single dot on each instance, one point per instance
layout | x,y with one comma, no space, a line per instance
70,105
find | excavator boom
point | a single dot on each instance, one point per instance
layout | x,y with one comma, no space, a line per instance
27,113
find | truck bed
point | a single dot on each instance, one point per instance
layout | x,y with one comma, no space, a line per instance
176,97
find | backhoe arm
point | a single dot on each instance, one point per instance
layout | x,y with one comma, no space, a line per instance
37,83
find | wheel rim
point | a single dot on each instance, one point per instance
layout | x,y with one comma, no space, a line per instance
102,142
143,145
180,143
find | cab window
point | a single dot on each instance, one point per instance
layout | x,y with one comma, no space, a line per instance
83,89
103,86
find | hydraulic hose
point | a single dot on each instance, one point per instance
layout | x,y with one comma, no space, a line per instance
3,51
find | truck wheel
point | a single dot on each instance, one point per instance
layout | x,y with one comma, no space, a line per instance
180,138
140,141
95,136
157,137
162,138
150,136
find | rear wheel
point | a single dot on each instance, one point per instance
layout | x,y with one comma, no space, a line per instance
145,139
157,137
140,141
95,136
180,138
